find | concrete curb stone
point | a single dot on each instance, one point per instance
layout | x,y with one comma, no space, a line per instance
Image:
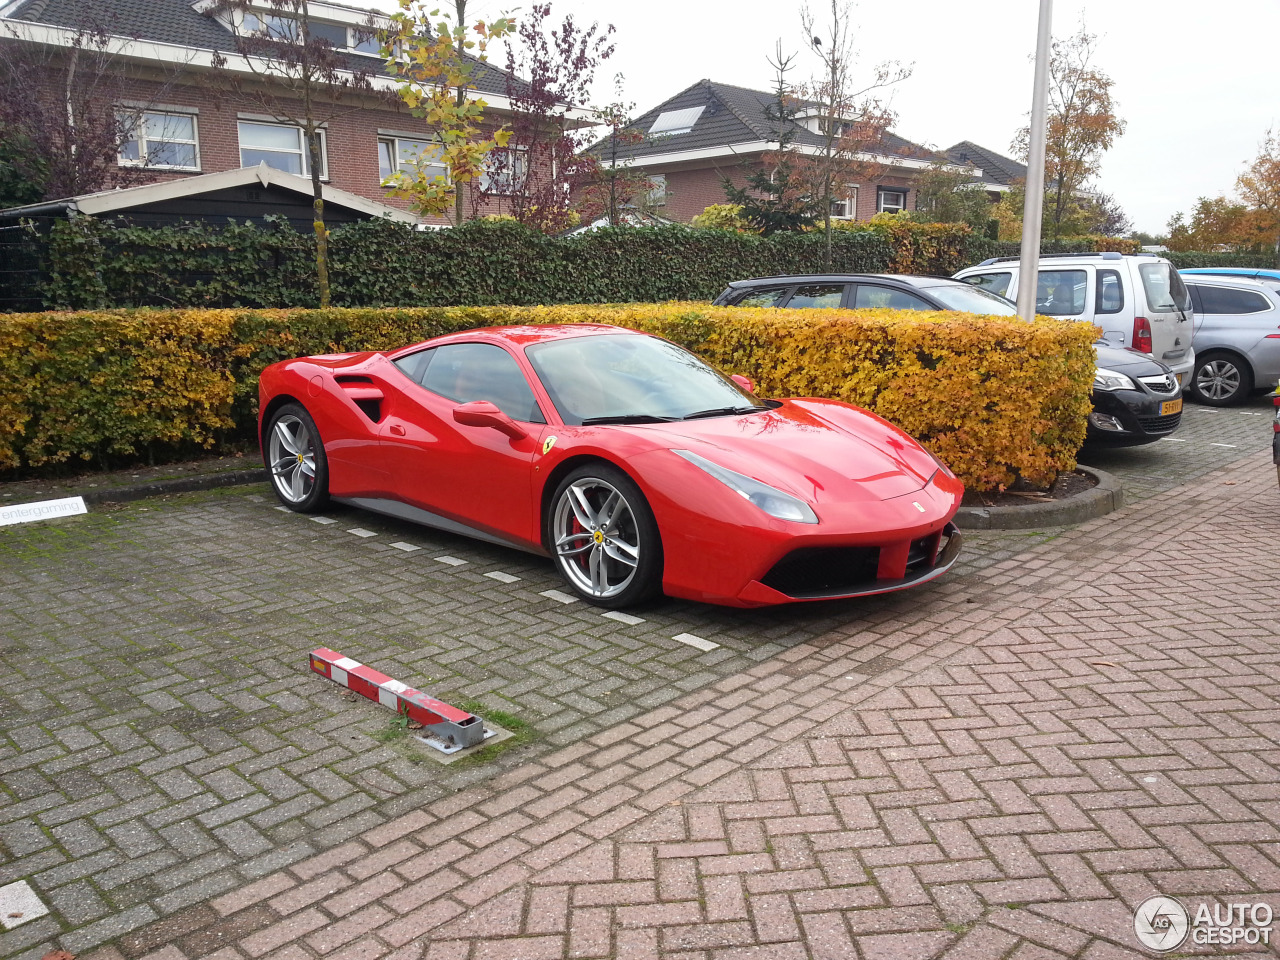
1105,497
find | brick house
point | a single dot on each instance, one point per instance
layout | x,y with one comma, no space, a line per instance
186,123
713,131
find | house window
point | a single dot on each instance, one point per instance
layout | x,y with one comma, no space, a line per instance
366,41
280,146
505,171
676,121
409,157
267,25
889,200
657,189
846,208
155,138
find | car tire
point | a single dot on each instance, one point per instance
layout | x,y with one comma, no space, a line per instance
1221,380
603,537
296,460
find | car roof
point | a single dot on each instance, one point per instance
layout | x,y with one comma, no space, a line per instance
1244,283
519,337
908,279
1233,272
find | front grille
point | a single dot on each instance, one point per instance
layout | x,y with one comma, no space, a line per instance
1160,424
824,571
1160,384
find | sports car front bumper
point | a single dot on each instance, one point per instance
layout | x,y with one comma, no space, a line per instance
834,573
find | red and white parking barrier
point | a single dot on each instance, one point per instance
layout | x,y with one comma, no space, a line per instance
448,729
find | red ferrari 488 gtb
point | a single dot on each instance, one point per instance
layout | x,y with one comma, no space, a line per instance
625,458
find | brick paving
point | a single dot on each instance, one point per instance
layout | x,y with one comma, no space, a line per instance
1003,764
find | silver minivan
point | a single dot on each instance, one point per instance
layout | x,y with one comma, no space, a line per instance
1138,300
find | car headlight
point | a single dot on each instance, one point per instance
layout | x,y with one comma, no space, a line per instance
769,499
1104,379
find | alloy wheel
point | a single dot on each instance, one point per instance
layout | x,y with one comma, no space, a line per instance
293,459
596,538
1218,380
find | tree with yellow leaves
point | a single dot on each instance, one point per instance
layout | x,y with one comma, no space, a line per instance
1259,187
435,57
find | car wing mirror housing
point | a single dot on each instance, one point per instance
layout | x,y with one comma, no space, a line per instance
482,413
746,383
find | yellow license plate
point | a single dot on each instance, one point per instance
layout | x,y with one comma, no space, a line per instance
1171,406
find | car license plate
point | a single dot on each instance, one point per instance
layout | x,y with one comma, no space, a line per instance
1171,406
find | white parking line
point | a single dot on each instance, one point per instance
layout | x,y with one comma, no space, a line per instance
1173,439
285,509
19,904
1231,445
626,618
558,597
501,577
361,532
323,520
451,561
406,547
695,641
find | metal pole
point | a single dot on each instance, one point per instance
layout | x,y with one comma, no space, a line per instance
1033,210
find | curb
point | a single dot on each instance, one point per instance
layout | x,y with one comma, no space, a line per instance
229,478
1102,499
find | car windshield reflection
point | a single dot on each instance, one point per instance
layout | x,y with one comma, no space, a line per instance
627,378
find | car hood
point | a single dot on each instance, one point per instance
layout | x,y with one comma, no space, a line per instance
820,451
1126,361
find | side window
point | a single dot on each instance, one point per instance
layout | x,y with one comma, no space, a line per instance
997,283
1110,295
817,295
870,297
414,366
1227,300
763,297
481,371
1060,293
1197,303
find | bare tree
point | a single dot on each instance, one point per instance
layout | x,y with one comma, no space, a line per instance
852,116
289,67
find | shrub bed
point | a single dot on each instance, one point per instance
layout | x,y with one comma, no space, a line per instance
996,399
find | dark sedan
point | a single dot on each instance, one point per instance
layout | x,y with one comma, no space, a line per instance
1135,398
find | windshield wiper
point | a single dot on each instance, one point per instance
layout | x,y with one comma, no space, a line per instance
628,418
720,412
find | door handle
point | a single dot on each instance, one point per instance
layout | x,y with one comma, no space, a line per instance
397,430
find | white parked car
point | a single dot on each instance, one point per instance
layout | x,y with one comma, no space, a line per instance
1138,300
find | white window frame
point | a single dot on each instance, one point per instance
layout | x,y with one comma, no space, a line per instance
882,192
138,135
303,150
520,171
395,139
850,202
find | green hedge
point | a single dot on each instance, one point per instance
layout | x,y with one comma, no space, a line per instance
91,264
1187,259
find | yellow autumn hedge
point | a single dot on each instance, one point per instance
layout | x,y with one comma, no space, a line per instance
997,399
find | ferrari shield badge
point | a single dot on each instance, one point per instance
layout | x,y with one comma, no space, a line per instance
547,444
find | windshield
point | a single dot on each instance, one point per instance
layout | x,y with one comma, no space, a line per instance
970,299
1164,287
628,378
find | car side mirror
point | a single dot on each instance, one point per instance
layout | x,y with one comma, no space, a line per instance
482,413
746,383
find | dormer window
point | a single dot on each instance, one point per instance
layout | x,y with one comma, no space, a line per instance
357,38
676,121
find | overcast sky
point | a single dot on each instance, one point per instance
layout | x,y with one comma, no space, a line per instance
1198,83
